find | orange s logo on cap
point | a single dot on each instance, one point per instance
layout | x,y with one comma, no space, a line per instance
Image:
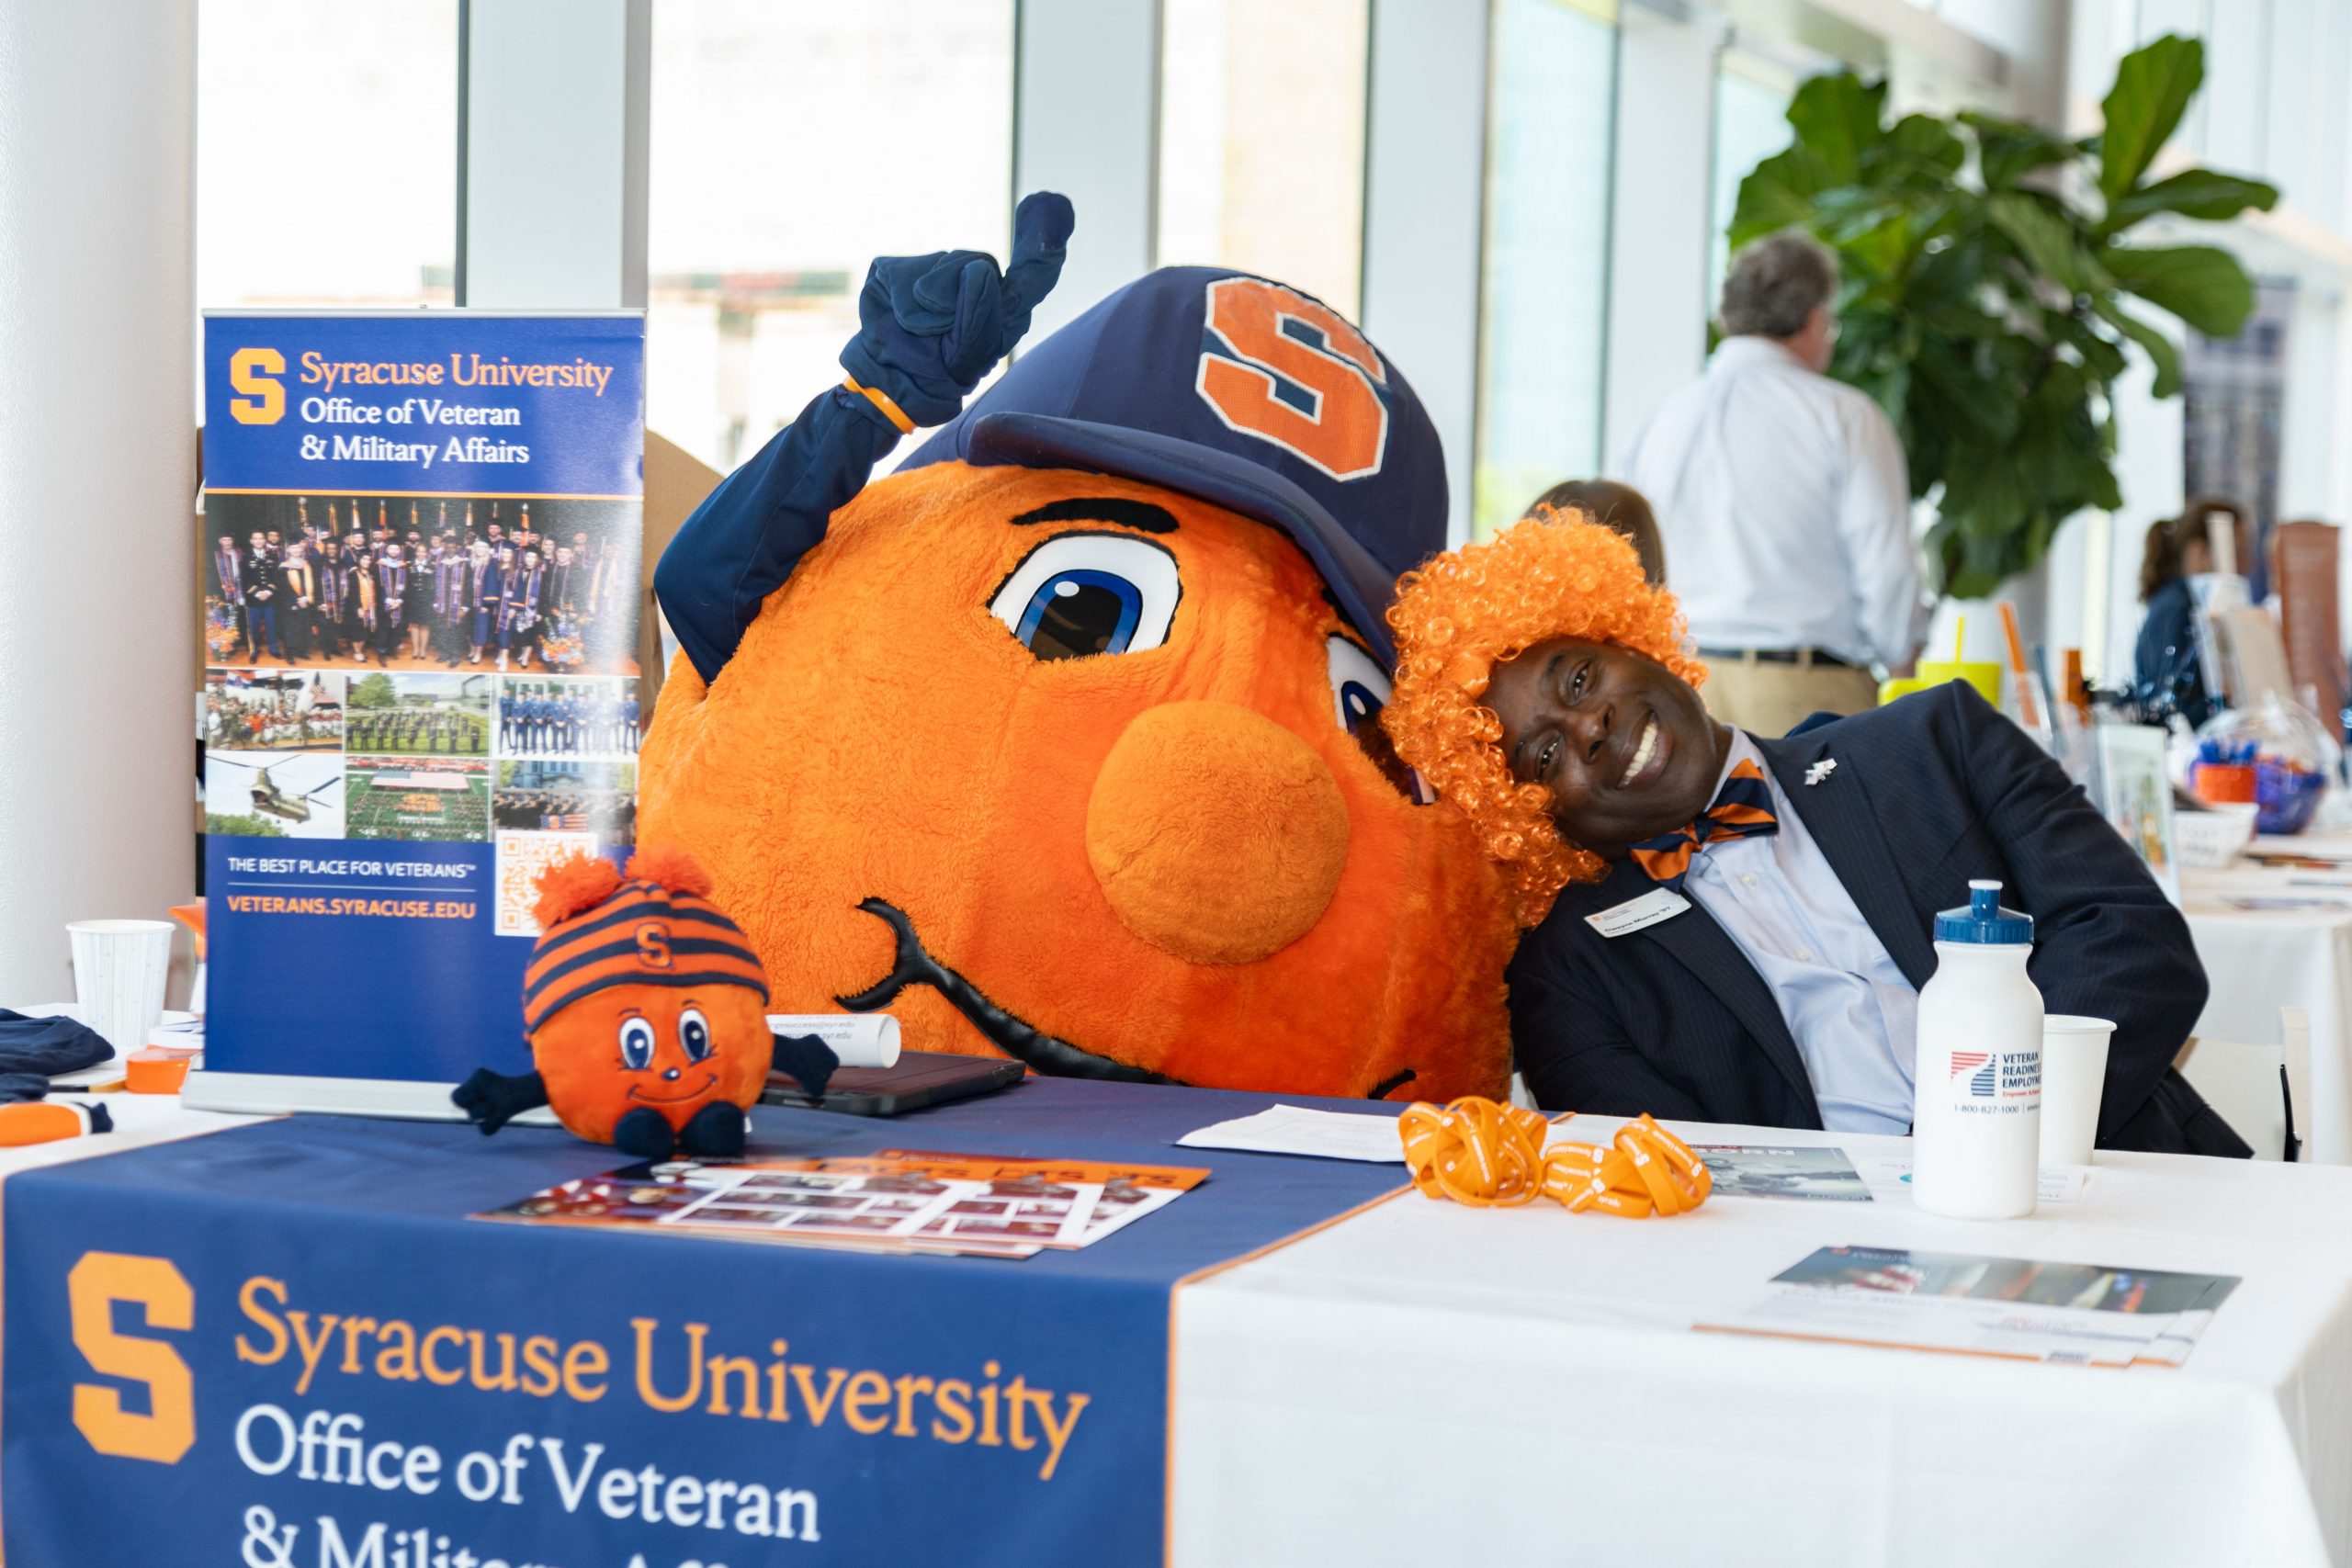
653,944
1344,429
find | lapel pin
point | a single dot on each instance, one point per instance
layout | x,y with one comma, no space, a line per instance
1820,771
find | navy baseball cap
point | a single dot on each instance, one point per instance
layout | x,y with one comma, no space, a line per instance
1242,392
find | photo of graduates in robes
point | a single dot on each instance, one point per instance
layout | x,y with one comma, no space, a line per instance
421,582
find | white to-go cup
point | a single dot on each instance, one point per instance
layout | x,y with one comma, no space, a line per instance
118,972
2073,1075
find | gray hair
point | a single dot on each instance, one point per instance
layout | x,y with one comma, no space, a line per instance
1776,283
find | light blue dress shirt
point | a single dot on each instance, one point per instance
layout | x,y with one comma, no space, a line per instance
1853,1015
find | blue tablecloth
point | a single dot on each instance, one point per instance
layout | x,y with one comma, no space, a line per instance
287,1346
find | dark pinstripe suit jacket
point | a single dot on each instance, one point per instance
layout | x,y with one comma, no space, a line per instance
1927,792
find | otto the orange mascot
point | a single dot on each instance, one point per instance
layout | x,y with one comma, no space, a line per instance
646,1011
1062,742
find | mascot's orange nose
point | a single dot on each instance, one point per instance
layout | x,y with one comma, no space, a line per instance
1217,835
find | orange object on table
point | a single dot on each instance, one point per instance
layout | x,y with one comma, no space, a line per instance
2223,783
46,1121
192,916
155,1072
2028,710
1488,1155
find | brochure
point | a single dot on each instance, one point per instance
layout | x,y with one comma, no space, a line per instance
907,1200
1297,1129
1758,1171
2081,1313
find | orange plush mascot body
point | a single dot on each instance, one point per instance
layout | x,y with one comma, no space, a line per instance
1062,741
646,1011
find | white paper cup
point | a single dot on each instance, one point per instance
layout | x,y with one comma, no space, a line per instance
2073,1076
118,972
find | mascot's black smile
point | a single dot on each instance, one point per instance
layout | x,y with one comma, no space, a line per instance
1021,1041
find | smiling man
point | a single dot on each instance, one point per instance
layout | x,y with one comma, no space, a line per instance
1734,928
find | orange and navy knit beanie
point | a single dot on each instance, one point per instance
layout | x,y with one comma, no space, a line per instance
653,925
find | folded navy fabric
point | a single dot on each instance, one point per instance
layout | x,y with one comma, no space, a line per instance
33,1050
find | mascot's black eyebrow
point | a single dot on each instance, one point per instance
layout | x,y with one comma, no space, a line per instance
1140,515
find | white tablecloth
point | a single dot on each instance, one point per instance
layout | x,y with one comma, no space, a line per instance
1426,1383
2259,961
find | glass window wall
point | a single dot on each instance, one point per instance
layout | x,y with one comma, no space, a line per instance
1261,130
326,152
793,141
1545,297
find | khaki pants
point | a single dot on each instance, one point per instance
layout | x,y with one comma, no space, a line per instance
1771,700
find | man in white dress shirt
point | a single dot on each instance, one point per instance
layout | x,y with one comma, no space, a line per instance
1785,504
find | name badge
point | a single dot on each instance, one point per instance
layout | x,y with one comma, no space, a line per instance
1657,904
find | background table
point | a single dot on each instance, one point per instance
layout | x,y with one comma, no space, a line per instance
1428,1383
2259,960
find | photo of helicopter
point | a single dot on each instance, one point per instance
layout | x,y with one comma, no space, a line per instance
272,793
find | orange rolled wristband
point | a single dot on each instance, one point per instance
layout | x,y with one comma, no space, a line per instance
1488,1155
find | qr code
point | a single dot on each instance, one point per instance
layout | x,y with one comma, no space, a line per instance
521,856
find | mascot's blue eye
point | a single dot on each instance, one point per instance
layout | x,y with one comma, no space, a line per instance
1078,594
636,1044
1359,691
1079,612
694,1034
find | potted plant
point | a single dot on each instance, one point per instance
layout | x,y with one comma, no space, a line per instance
1984,278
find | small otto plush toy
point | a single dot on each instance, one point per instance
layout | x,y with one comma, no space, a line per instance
646,1011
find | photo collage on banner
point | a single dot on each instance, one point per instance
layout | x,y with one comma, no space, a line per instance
422,539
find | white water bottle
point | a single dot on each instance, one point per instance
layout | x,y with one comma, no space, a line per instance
1977,1117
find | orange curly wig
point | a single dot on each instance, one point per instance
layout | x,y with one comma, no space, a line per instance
1556,574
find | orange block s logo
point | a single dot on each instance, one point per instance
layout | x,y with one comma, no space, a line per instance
250,370
653,944
1319,400
97,1283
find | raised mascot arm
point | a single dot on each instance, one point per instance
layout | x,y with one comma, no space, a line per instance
930,327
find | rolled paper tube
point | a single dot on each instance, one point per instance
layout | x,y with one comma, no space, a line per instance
859,1039
47,1120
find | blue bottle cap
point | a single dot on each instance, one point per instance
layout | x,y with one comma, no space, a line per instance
1984,922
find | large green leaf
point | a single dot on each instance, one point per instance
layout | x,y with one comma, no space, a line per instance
1777,194
2204,286
1835,117
2009,149
2152,86
1922,144
2160,350
2193,193
2049,241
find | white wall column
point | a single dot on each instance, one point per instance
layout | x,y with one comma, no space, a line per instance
1086,123
555,115
1661,228
1425,151
97,474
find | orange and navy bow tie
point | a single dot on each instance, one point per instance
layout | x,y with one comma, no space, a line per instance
1743,809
